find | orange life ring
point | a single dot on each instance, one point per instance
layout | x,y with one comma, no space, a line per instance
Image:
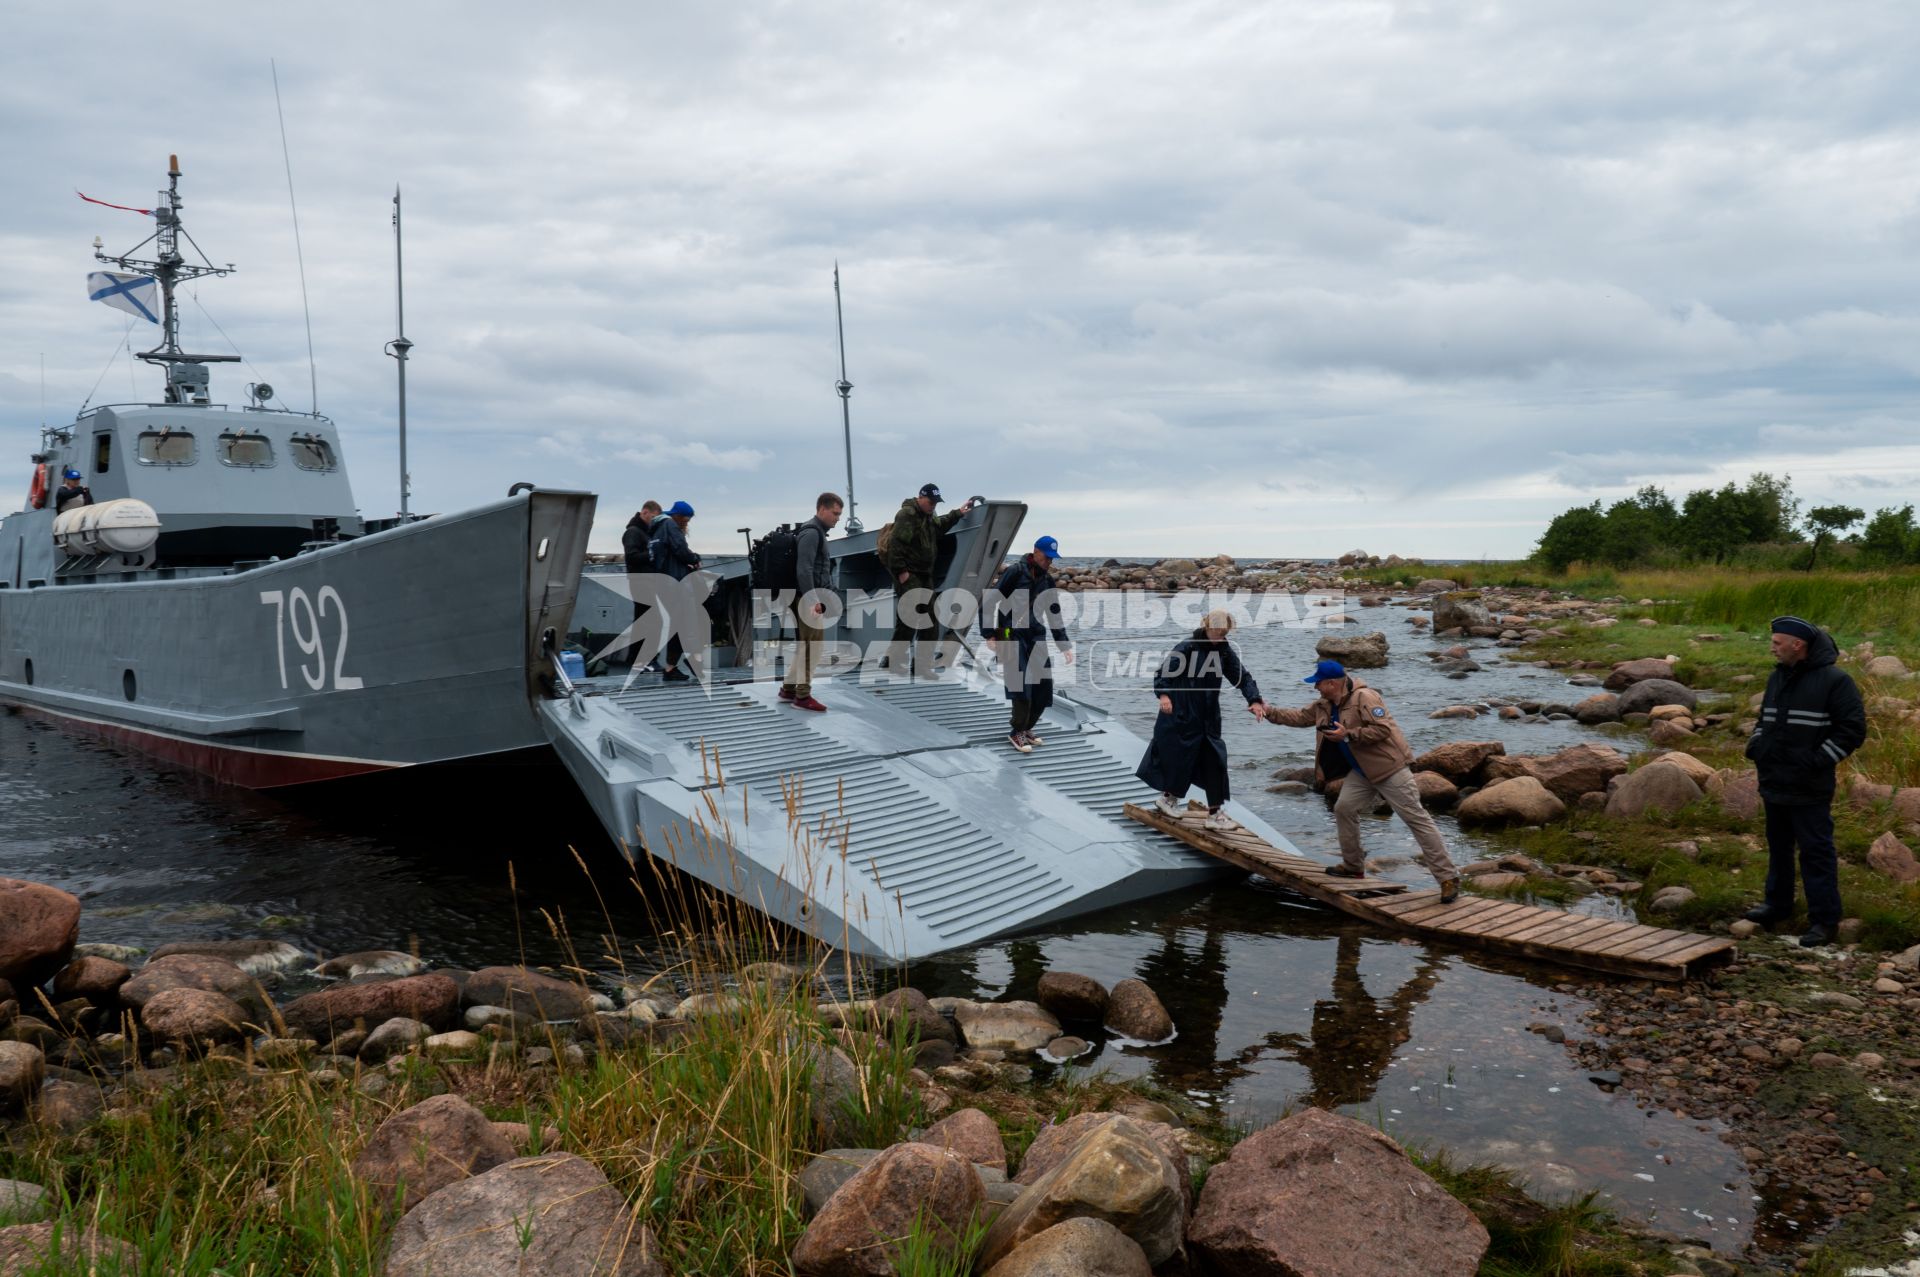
37,494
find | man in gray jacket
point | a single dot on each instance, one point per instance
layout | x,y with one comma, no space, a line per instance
813,573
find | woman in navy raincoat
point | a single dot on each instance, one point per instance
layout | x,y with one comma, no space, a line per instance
1187,747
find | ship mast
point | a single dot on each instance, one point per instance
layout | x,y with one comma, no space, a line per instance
398,348
186,380
845,388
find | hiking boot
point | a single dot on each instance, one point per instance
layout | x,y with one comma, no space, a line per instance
1449,891
1220,822
1765,916
788,694
807,702
1019,742
1343,871
1817,935
1167,807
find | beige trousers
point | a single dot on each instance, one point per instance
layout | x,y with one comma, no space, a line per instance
803,656
1358,796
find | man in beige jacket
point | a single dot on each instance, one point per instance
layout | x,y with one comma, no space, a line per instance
1360,745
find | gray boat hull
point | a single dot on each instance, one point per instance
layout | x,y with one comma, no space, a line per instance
420,644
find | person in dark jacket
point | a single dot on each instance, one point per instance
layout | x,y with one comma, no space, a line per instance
1811,717
1022,610
813,575
70,492
672,556
636,547
913,547
1187,747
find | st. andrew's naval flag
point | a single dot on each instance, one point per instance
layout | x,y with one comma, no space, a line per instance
135,294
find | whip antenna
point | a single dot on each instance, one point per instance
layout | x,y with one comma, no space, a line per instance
313,377
845,388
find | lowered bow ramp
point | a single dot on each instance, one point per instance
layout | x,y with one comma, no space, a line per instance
896,825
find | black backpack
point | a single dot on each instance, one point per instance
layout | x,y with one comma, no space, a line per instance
775,559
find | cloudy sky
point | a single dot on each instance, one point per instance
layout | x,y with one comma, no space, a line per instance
1280,278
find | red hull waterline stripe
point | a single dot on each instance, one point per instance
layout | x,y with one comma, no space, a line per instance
247,768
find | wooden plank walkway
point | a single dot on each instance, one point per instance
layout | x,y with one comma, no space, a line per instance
1482,922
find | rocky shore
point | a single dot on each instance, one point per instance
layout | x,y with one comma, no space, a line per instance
510,1120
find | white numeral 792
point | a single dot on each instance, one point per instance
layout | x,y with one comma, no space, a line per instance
288,607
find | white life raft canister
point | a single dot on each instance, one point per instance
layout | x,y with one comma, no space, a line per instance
123,526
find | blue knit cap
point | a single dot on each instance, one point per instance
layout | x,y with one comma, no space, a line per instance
681,508
1795,627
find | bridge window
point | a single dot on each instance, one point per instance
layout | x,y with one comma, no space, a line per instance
102,452
311,452
166,448
245,449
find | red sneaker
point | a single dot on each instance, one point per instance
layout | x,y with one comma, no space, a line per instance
807,702
786,694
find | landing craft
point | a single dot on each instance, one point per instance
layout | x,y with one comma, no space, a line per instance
224,606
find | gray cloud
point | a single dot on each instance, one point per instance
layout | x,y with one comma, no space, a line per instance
1263,278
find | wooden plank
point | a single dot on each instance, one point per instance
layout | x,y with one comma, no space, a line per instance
1413,900
1460,910
1664,951
1644,944
1532,920
1502,913
1578,928
1555,923
1707,947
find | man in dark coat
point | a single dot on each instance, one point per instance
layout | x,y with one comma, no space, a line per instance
1187,747
636,547
1811,717
1021,610
672,556
913,547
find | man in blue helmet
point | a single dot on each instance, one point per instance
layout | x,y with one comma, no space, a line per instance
1811,717
1021,610
673,556
70,492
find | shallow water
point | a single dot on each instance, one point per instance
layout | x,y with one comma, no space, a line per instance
1277,1004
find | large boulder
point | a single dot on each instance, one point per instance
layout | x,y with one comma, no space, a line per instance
1658,786
1569,773
1705,775
1521,800
98,980
196,971
1886,667
1355,651
1057,1140
421,1150
432,999
529,992
1603,707
1320,1194
56,1246
1627,673
1117,1173
971,1134
1078,1247
1073,998
1645,695
1453,611
1434,585
38,928
1134,1010
554,1214
1739,794
1436,790
836,1098
194,1016
1892,858
856,1234
825,1172
1005,1026
911,1006
22,1068
1459,761
255,957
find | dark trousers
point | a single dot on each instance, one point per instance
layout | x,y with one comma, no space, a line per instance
900,650
1809,828
1025,713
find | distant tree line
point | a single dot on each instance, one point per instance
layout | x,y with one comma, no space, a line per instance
1718,525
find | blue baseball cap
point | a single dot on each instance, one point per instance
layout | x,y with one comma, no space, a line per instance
681,508
1048,546
71,473
1324,671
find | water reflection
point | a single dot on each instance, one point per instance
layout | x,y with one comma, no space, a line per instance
1354,1036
